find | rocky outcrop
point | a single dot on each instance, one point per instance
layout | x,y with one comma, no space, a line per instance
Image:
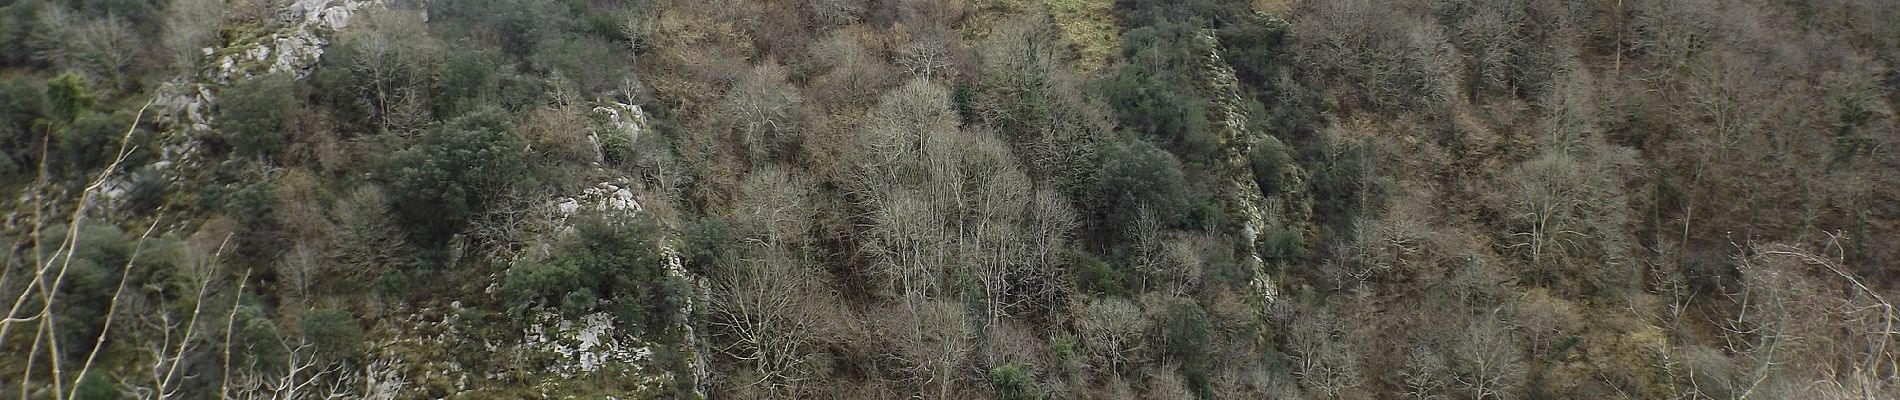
585,346
1238,194
184,105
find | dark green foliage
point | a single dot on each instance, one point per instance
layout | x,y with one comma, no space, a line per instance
97,386
1138,176
1344,184
1283,246
333,333
145,190
583,61
1153,93
1182,10
1093,275
1255,46
614,260
248,203
99,257
467,81
1185,331
707,243
618,151
90,142
67,96
21,107
543,283
519,27
1224,268
1015,381
453,173
1269,160
15,27
253,113
255,338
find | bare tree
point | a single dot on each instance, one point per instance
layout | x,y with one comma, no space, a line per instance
189,27
389,55
774,209
927,54
102,48
932,343
1114,330
767,309
835,13
1372,51
1487,360
1052,220
1323,363
1425,374
1793,325
1566,210
367,242
760,109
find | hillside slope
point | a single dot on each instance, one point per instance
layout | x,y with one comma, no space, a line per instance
1018,199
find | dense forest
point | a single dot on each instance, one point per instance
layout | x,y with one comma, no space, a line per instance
949,199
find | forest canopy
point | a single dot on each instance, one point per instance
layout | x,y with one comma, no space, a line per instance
949,199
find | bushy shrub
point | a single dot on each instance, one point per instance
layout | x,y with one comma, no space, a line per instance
252,115
453,173
145,190
333,333
466,81
1256,46
1153,94
1137,175
97,386
89,142
66,97
1093,275
1269,160
100,254
20,105
1185,331
1015,381
613,260
542,283
1283,245
707,243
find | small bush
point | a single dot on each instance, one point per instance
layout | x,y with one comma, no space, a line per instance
334,333
96,386
468,80
1096,276
1270,160
453,173
1014,381
252,115
1283,246
1185,331
541,284
1138,175
145,191
20,105
67,96
91,141
614,260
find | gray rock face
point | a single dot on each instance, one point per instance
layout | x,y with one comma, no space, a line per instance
184,105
